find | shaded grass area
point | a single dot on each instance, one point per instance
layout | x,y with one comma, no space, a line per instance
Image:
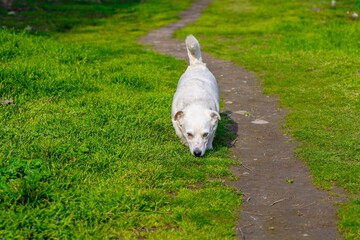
58,15
308,54
87,148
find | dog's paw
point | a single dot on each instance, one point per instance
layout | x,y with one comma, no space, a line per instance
209,147
183,141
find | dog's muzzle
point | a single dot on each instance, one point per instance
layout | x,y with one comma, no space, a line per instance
197,152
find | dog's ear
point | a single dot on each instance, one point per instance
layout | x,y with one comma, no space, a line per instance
215,117
178,116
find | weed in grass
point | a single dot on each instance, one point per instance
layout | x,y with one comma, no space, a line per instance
308,55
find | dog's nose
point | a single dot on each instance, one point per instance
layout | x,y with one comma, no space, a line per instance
197,152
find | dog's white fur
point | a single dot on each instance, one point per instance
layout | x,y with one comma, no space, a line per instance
195,106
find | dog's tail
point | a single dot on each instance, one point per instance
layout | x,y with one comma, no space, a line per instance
193,50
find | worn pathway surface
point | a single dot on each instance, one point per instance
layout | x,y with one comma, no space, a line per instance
280,201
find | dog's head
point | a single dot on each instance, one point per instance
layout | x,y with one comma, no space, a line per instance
198,126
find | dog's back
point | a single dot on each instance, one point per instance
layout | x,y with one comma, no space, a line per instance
197,83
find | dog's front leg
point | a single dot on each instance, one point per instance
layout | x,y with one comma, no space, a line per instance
209,143
180,135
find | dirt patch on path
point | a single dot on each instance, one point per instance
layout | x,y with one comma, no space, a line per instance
280,201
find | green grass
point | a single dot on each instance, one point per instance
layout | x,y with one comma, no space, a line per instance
308,54
87,148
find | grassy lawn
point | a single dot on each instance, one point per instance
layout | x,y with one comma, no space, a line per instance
307,52
87,149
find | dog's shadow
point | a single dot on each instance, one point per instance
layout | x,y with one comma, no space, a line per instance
226,133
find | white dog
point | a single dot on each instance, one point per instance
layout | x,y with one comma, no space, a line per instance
195,106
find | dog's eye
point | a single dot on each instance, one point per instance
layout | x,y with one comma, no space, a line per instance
205,135
190,135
